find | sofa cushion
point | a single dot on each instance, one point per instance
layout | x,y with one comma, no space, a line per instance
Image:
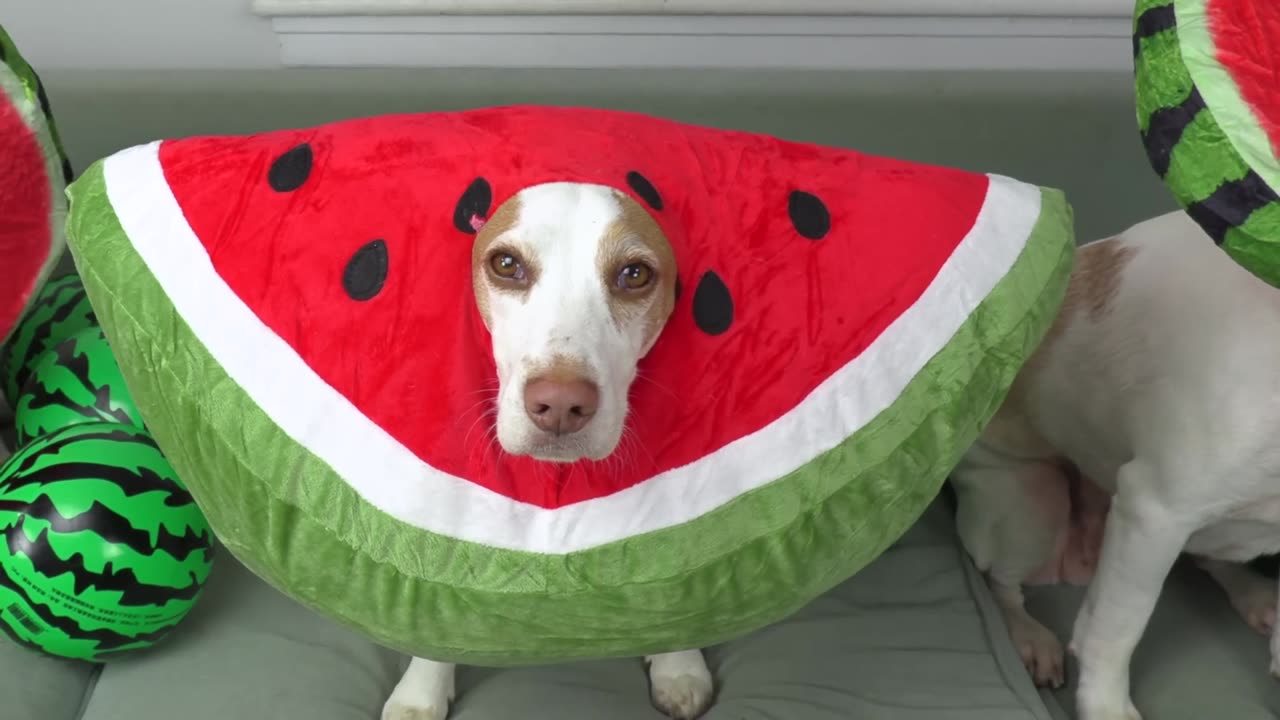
913,636
1196,660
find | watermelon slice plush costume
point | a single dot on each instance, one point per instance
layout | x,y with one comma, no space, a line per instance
34,173
293,314
1209,111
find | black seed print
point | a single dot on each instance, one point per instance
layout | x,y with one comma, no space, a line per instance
712,305
473,205
809,215
291,170
366,271
645,189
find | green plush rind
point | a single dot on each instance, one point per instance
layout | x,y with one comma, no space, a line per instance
1198,132
297,525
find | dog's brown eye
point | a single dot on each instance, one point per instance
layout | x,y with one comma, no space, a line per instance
635,276
505,265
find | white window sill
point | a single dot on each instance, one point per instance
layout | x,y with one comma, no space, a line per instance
995,35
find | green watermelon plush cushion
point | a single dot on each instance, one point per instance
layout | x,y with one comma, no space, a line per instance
849,324
1208,103
34,172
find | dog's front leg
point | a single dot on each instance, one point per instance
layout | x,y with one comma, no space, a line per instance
1141,542
680,683
423,693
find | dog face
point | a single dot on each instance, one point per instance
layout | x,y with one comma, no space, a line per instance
574,282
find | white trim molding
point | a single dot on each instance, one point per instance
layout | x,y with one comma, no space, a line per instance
932,35
944,8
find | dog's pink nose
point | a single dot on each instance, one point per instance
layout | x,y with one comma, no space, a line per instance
560,407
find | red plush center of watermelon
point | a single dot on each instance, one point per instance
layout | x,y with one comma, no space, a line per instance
25,200
816,250
1246,37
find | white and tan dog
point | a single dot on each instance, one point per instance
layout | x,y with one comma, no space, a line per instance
1159,382
574,282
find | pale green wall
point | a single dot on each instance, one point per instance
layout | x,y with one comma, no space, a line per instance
1074,132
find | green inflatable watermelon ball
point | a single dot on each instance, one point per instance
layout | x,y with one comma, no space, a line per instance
77,381
58,311
104,550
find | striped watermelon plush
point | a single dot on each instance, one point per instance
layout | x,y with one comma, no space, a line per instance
849,325
34,172
1208,105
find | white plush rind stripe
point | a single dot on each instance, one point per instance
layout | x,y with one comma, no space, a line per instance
393,479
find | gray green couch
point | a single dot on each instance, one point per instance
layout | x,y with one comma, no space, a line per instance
915,636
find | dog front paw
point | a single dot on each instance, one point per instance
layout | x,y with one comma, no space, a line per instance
681,684
409,710
423,693
1093,708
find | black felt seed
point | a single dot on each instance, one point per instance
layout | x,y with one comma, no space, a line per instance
809,215
366,271
712,305
291,170
679,288
645,189
474,204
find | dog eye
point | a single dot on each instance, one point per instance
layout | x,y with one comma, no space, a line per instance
505,265
635,276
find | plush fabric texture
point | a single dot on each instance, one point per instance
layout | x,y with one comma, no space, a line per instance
847,326
1209,110
33,176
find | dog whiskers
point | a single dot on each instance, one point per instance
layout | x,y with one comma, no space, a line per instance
492,410
630,445
669,392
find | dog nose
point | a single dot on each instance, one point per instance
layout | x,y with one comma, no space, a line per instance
560,407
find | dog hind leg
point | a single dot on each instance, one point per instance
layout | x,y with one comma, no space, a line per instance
1251,594
1014,522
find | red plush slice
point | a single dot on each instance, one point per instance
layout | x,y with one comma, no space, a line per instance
1246,38
793,258
26,236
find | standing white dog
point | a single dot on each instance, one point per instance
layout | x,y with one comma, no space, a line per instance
1160,382
575,282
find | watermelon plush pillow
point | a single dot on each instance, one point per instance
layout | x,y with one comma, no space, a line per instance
34,172
848,325
1208,104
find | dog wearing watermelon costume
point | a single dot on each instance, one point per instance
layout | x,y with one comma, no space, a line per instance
34,172
1208,108
293,314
